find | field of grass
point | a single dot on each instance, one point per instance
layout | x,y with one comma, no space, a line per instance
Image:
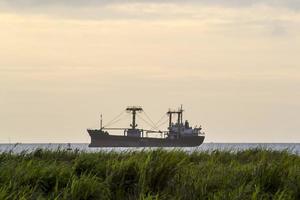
155,174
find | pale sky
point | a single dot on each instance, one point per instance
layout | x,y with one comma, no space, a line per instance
233,64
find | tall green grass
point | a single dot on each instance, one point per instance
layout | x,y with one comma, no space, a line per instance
150,174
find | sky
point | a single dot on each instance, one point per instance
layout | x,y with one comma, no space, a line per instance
233,64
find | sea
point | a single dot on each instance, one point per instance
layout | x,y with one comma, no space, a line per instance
18,148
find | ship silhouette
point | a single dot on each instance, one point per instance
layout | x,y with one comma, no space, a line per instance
178,134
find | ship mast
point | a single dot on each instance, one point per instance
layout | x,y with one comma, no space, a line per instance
179,113
170,118
101,122
179,120
134,110
170,113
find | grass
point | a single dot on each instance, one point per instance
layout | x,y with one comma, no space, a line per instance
150,174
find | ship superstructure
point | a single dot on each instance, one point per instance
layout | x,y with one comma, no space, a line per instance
180,129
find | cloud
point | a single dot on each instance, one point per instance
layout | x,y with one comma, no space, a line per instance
141,9
81,3
273,17
30,5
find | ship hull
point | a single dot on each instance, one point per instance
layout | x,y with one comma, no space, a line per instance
100,140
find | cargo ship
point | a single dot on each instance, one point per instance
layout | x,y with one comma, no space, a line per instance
178,134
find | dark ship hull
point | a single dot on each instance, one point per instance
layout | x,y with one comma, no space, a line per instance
100,139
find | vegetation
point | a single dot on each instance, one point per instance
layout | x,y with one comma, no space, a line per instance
150,174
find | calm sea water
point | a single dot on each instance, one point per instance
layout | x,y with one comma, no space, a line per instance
20,147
